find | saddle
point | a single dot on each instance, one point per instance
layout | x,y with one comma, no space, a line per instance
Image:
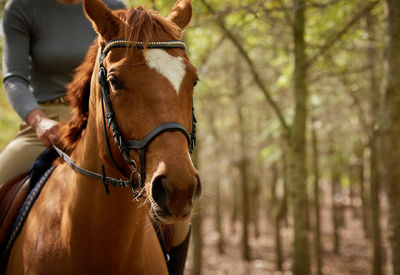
14,192
12,196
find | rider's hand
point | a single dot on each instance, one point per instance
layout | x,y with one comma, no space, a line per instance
46,129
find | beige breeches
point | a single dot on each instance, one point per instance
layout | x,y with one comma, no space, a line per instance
23,150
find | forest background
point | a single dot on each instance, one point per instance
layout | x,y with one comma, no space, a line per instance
298,110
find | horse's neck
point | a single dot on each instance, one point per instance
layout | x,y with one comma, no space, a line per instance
109,215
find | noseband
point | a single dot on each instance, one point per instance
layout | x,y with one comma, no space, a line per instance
125,146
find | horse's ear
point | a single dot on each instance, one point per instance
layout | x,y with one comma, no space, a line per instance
181,13
104,21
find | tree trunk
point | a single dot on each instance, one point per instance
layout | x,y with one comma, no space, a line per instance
374,173
272,198
278,239
285,177
301,257
375,210
276,209
255,205
218,219
218,216
352,192
317,241
197,242
244,210
363,191
197,220
390,133
243,168
336,198
234,205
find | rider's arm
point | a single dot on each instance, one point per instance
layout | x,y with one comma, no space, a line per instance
17,38
17,29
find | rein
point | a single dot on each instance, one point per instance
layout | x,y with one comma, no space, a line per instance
125,146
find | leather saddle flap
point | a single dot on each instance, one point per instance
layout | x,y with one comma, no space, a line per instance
12,196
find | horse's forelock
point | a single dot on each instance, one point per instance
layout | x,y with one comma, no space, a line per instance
147,25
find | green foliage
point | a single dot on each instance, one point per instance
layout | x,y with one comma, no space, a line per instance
9,120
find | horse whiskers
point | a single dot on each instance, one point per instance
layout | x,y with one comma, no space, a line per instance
147,202
141,204
141,193
208,195
200,205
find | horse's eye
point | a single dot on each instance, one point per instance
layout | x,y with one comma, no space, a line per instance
195,83
115,83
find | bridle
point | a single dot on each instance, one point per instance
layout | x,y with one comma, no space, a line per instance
125,146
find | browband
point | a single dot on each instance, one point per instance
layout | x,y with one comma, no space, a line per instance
121,43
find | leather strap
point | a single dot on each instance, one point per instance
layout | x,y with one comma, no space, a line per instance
170,126
107,143
108,180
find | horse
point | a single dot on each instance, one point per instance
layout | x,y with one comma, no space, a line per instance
131,125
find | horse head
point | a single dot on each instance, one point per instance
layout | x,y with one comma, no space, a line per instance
147,87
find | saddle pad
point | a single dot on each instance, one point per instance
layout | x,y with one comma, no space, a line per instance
22,215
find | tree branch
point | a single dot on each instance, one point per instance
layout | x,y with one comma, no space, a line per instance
285,11
205,57
221,23
342,32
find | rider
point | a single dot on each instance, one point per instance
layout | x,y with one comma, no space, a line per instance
44,40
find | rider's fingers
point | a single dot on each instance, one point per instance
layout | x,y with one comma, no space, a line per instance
55,128
53,139
45,141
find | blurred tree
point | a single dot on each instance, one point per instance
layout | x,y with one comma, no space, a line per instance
390,133
234,205
197,223
316,172
197,242
337,197
255,205
243,164
375,98
217,184
301,254
279,211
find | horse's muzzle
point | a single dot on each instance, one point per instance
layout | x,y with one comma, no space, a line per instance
174,200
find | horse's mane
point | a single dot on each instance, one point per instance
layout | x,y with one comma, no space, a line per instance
137,24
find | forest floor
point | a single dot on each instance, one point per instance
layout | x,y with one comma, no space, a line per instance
353,258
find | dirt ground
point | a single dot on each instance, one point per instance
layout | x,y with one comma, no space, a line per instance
353,258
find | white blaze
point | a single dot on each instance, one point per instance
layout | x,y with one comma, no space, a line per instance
169,66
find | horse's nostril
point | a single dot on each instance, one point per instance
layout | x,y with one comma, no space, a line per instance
159,191
197,191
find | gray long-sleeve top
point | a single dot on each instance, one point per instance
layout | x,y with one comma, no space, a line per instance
44,40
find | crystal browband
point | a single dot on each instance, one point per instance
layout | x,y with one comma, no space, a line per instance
120,43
